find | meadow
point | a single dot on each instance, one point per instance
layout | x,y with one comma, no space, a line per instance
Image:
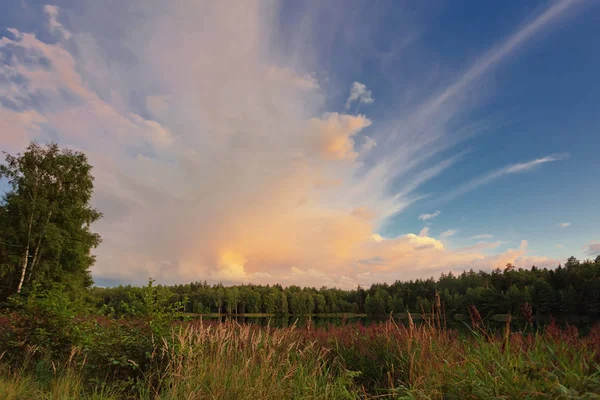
49,350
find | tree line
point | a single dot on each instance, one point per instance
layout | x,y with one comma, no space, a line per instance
572,289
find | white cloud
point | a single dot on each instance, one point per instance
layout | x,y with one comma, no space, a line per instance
448,233
504,50
359,93
504,171
482,236
563,224
427,217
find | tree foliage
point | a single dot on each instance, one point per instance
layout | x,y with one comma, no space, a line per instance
45,219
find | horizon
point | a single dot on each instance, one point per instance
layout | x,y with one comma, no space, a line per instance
455,274
310,144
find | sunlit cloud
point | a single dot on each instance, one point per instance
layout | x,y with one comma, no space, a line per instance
223,158
564,224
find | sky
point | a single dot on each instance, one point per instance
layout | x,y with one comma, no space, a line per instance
336,143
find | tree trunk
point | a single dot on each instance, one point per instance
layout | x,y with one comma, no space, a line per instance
26,255
33,196
36,257
36,253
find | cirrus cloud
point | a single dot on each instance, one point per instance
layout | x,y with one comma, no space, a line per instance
427,217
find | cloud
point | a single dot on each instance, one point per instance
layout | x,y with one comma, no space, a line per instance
592,249
481,246
18,127
359,93
559,246
437,123
482,236
497,54
377,238
287,76
333,134
231,267
448,233
219,159
368,144
507,170
157,105
53,25
563,224
427,217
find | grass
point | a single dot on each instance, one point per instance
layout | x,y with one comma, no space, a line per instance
64,386
226,360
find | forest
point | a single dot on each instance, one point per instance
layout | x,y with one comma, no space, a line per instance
570,291
46,240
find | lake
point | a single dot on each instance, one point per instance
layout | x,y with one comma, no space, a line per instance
459,321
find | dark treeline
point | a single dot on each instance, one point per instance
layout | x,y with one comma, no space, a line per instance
572,289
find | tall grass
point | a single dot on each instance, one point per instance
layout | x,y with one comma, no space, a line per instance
199,360
232,361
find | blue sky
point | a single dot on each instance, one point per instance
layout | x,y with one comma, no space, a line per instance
310,142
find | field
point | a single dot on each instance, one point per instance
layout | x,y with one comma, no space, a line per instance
58,355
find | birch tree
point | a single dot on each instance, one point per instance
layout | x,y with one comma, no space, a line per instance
45,218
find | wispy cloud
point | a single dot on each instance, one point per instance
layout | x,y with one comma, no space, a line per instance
53,25
482,236
433,125
359,93
563,224
505,49
448,233
427,217
559,246
481,246
499,173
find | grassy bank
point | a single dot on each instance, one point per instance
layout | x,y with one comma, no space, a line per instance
104,358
